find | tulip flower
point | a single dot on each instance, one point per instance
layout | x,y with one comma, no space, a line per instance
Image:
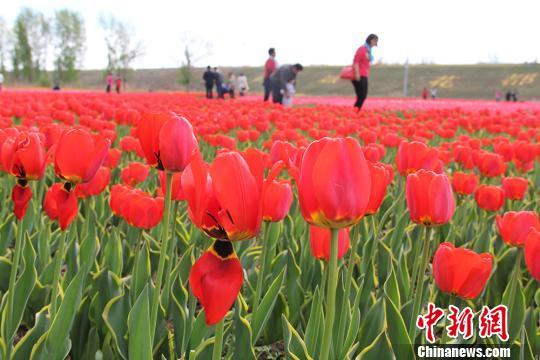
491,165
216,279
514,226
228,209
21,196
134,173
490,198
463,183
319,241
532,253
177,192
461,272
416,155
24,157
380,179
78,157
334,184
112,158
430,198
167,140
60,203
277,199
144,211
95,186
514,187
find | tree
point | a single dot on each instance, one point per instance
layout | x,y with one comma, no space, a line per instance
5,39
122,49
194,51
31,38
70,38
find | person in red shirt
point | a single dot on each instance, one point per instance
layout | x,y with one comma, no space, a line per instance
361,63
269,67
118,84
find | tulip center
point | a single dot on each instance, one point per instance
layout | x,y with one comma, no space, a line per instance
426,220
223,249
22,182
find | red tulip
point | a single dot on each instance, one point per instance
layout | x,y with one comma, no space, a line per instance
489,197
463,183
334,183
78,157
461,272
21,196
414,156
514,226
429,198
532,253
167,140
23,156
177,192
134,173
238,196
374,152
112,159
60,203
491,165
95,186
216,279
277,199
144,211
380,179
514,187
319,241
223,206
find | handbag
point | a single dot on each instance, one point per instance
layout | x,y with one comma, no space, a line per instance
347,73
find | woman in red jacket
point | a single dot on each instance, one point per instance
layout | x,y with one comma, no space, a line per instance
361,64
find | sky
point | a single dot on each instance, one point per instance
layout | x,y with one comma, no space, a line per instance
239,32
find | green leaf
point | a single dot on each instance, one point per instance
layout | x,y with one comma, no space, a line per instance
242,332
514,299
391,288
264,310
314,328
23,289
378,349
198,332
114,315
140,346
372,324
141,273
397,331
294,345
113,254
23,349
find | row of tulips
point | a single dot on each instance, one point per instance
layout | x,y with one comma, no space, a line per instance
134,260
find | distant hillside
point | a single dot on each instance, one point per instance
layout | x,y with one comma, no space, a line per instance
452,81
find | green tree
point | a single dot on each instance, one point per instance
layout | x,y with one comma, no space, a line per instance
194,51
4,44
30,49
70,38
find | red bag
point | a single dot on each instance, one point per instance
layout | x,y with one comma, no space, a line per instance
347,73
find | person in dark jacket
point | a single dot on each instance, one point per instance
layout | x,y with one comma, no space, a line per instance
208,78
218,78
280,78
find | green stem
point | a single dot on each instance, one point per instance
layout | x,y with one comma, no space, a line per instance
218,340
12,280
135,265
162,258
445,338
333,273
262,265
58,257
417,301
345,306
170,261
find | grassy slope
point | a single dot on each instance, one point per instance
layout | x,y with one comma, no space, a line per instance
471,81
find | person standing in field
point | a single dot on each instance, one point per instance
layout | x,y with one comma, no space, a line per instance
109,82
289,94
242,83
218,78
269,67
425,93
280,78
118,84
361,64
231,85
208,78
433,93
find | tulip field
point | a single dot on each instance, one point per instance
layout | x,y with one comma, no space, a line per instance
168,226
